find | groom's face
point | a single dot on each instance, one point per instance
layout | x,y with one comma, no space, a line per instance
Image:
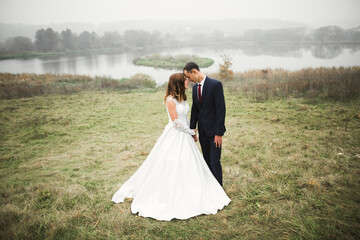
190,75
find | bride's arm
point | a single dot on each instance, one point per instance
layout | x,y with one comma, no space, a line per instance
171,106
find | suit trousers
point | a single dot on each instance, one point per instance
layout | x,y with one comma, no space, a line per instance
211,155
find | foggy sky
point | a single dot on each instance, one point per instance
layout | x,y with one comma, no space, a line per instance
343,13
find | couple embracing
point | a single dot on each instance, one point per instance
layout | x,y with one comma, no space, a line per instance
176,181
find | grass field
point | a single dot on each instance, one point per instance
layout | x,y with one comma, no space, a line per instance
291,168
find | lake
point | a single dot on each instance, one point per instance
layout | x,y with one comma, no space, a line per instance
243,58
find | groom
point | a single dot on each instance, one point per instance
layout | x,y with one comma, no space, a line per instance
208,110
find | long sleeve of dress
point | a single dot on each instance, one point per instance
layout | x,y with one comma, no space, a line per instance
180,126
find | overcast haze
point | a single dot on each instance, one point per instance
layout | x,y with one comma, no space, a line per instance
344,13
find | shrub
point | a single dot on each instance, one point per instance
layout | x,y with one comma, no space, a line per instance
142,81
225,72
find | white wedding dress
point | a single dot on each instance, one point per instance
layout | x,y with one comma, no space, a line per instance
174,181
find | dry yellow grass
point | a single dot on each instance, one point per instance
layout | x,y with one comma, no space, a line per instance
336,83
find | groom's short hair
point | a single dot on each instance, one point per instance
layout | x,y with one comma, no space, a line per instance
190,66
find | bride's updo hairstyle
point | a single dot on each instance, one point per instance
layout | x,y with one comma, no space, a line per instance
176,87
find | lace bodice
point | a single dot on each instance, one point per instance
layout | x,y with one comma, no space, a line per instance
182,109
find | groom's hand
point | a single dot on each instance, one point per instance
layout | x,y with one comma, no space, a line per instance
218,141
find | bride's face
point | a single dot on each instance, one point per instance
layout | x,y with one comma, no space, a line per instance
186,82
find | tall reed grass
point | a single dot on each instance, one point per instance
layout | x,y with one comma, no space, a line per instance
29,85
336,83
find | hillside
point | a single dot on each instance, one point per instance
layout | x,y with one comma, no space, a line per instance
291,168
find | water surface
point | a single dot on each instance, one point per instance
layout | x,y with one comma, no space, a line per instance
245,58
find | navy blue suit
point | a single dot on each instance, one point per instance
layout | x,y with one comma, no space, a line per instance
210,117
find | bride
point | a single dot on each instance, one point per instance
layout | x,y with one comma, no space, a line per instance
174,181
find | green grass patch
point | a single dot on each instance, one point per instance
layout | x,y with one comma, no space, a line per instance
172,62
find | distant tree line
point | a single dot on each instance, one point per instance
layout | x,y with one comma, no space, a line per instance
48,40
322,34
327,34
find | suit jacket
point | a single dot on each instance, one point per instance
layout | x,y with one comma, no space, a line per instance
210,113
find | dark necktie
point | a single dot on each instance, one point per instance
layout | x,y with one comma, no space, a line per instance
199,92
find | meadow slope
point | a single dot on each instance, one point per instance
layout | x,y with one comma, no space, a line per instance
291,168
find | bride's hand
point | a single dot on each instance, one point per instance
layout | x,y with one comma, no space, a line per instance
194,136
